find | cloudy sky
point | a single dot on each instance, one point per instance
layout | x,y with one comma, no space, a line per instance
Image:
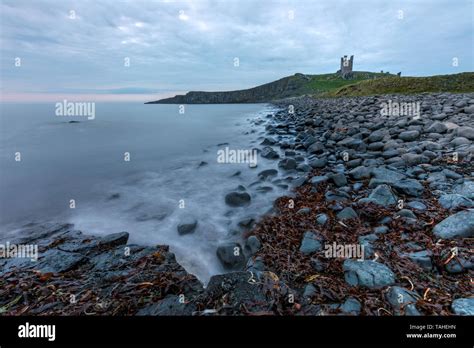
137,50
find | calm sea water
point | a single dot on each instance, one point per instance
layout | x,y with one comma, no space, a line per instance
84,161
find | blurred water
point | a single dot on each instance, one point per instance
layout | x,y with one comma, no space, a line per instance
84,161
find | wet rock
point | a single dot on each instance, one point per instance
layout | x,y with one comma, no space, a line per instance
360,173
413,159
347,214
298,182
381,229
237,199
309,291
337,196
463,306
458,141
318,162
316,148
409,187
287,164
268,141
114,239
387,176
40,232
252,245
466,189
458,225
437,127
465,132
422,258
269,153
339,179
459,264
187,225
58,261
351,306
376,136
381,195
407,213
238,290
231,256
317,180
403,301
247,222
322,219
310,243
171,305
304,211
409,135
454,201
267,173
368,274
417,205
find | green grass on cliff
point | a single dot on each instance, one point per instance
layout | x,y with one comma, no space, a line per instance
331,82
456,83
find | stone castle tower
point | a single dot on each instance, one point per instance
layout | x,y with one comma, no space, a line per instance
346,67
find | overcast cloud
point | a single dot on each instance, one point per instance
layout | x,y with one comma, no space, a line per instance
176,46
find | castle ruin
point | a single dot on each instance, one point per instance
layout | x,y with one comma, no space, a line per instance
346,67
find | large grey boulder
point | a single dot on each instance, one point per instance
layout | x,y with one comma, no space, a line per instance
459,225
367,273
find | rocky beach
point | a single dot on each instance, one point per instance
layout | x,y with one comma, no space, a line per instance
378,220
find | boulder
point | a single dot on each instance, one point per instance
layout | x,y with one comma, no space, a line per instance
347,214
231,256
463,306
454,201
403,301
368,274
237,199
287,164
459,225
409,135
310,243
382,195
187,225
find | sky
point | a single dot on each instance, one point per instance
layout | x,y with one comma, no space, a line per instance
116,50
